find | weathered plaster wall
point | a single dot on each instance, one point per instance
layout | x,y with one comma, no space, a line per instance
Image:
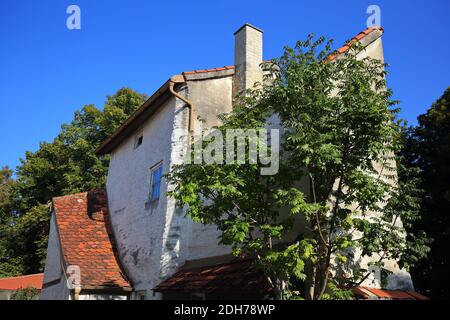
139,224
53,274
210,97
399,278
177,228
155,239
373,50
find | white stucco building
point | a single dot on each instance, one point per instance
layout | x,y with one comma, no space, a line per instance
128,243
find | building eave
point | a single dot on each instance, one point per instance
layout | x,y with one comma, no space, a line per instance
138,117
154,102
106,289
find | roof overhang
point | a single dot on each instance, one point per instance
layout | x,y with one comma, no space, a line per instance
107,289
139,116
157,100
216,275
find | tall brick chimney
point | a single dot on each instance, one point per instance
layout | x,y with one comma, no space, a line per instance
247,58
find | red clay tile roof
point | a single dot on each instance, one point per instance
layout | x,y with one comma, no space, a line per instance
242,276
209,70
383,294
14,283
236,276
358,37
87,240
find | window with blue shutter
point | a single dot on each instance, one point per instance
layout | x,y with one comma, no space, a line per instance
156,182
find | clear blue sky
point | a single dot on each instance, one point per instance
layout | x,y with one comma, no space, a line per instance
48,71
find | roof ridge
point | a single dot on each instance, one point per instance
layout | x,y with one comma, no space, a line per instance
208,70
361,35
70,195
23,276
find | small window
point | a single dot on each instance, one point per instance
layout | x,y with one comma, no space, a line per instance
156,182
138,140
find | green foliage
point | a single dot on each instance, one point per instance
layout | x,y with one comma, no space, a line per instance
337,176
335,292
29,293
427,156
66,165
11,265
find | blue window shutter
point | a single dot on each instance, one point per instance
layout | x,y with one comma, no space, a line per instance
156,182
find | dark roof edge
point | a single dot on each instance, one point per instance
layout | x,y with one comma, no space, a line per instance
140,114
110,289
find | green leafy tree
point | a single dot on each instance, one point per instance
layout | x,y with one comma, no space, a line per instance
428,149
11,265
336,193
66,165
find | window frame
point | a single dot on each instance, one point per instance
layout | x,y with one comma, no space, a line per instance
153,169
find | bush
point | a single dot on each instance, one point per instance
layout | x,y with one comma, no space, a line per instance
29,293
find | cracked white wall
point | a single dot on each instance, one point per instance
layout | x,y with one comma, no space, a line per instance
155,238
139,225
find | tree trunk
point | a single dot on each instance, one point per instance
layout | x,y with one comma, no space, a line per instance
310,280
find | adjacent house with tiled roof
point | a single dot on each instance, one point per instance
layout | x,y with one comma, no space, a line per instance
82,261
131,241
9,285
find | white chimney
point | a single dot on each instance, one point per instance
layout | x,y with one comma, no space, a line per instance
247,58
